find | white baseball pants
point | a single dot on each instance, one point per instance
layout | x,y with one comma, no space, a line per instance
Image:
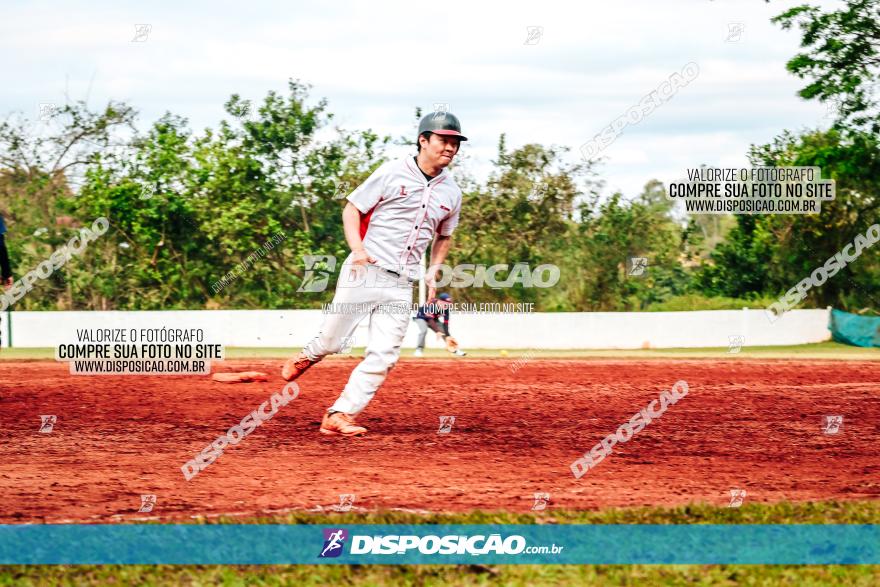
365,292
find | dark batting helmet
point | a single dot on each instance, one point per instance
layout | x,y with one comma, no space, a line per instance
441,123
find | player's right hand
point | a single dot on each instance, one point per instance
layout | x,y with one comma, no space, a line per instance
359,261
362,257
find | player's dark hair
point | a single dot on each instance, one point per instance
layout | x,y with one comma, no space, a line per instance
427,135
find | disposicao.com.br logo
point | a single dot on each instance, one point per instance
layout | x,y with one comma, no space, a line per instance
454,544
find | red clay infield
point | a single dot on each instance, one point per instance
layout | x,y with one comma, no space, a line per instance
753,425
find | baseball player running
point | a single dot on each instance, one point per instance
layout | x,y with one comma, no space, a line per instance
435,315
388,221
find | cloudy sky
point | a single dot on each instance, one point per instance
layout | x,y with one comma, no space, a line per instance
376,61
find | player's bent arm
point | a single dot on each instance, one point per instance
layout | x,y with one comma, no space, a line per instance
351,224
439,250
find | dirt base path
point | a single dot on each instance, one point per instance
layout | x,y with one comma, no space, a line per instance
753,425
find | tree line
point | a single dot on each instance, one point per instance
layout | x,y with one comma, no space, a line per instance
186,208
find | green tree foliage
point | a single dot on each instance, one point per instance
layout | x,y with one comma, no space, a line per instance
184,210
767,255
522,215
40,164
537,209
609,233
841,58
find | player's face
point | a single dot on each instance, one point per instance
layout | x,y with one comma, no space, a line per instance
440,149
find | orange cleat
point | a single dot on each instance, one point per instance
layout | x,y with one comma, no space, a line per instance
342,424
296,366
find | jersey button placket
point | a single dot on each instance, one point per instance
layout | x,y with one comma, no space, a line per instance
411,241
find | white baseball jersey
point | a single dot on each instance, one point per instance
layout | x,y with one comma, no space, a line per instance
401,211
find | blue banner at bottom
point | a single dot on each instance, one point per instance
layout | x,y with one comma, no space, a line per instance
184,544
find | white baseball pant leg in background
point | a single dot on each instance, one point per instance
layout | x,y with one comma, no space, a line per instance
423,332
387,301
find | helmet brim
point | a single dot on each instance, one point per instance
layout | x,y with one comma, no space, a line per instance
449,133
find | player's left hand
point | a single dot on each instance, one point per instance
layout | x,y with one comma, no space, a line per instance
451,344
7,282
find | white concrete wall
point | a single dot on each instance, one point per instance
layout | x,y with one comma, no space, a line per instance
562,330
